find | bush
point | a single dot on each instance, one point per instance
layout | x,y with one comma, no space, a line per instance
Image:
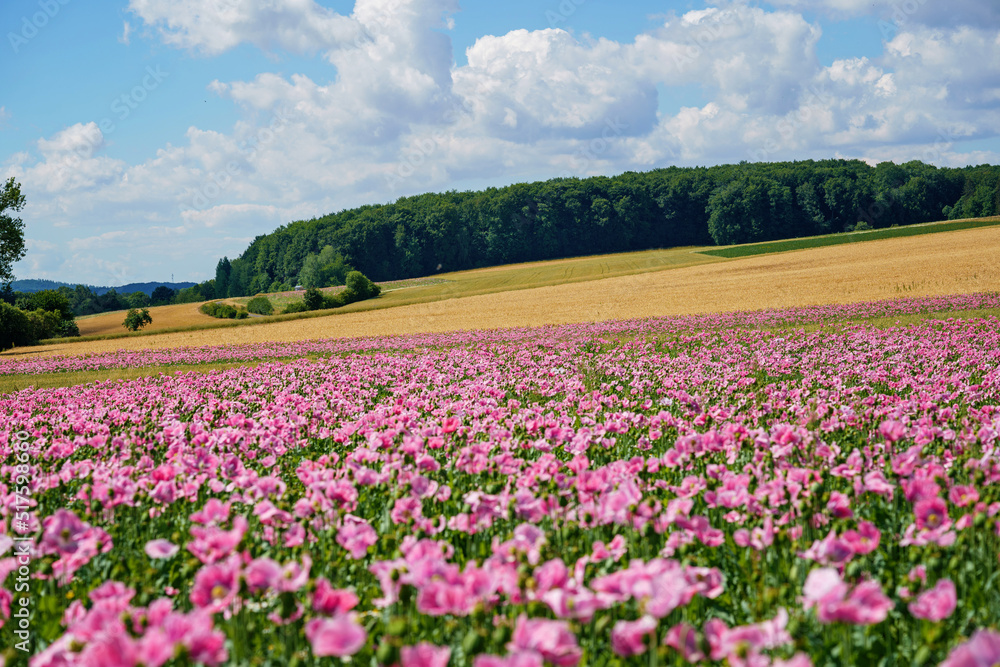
260,305
360,288
313,299
224,311
15,328
137,318
69,329
45,324
334,300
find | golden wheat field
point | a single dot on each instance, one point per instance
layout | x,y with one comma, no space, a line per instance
164,317
946,263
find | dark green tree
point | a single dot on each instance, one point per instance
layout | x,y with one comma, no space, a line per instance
222,271
137,318
11,229
313,299
162,295
54,301
359,288
15,327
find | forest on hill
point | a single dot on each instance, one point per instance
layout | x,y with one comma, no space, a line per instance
675,206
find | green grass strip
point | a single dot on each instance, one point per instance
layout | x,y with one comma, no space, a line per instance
768,247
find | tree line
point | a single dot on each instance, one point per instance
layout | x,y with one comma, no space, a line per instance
83,300
675,206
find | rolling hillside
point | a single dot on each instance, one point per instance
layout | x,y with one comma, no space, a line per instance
946,263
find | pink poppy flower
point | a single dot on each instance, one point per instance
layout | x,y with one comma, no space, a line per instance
356,535
330,601
840,505
155,648
629,637
110,650
339,636
552,640
937,603
963,496
864,540
892,430
405,509
684,639
983,650
160,548
214,512
425,655
294,575
215,586
261,574
834,601
866,605
212,543
518,659
63,531
114,591
735,642
931,513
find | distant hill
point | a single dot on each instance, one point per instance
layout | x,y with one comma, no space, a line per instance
33,285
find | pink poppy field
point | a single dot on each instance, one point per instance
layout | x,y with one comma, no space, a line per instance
724,489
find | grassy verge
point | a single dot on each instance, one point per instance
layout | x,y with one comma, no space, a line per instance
768,247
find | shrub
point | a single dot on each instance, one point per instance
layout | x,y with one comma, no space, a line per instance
44,324
70,329
137,318
359,287
334,300
260,305
313,299
223,311
15,328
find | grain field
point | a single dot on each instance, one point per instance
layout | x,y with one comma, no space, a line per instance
948,263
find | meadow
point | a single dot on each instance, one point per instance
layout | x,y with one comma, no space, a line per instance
725,488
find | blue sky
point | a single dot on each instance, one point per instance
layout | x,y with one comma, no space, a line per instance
151,137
